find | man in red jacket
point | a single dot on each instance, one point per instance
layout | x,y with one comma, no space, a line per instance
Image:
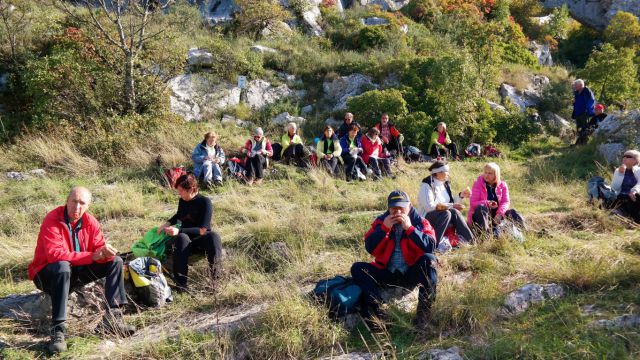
401,242
71,251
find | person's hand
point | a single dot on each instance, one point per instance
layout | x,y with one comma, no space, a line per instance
497,219
633,196
98,254
466,193
622,169
493,204
109,251
216,160
162,227
384,139
401,138
171,231
203,231
458,207
404,221
389,221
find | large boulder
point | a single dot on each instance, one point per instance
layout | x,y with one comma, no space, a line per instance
342,88
520,300
542,52
611,152
285,118
261,93
452,353
595,13
623,322
261,49
199,58
557,125
621,127
524,98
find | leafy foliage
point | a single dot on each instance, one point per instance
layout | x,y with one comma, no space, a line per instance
372,104
623,30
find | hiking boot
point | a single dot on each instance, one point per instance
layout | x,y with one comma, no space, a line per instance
422,320
217,183
360,175
258,182
57,343
113,323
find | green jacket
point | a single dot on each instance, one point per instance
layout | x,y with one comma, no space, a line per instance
152,244
434,140
285,141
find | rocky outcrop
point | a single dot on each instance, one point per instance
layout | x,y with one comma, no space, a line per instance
520,300
26,175
261,93
621,130
626,321
524,98
342,88
199,58
542,52
285,118
611,152
311,18
557,126
374,20
595,13
219,11
260,49
392,5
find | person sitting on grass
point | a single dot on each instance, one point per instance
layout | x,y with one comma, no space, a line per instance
437,204
291,148
346,125
402,244
355,168
329,150
258,150
441,145
489,203
71,251
208,158
194,234
626,184
390,136
374,156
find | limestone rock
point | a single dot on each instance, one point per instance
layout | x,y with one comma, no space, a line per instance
285,118
374,20
621,127
263,49
27,175
392,5
228,119
542,53
220,11
199,58
307,109
406,300
557,125
595,13
494,106
342,88
626,321
612,152
520,300
311,17
542,20
528,97
452,353
261,93
276,29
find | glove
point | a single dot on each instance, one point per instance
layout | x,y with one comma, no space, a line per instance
401,138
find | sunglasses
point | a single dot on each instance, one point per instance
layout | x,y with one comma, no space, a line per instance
629,156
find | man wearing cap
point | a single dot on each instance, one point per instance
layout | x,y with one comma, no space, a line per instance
402,244
258,149
70,252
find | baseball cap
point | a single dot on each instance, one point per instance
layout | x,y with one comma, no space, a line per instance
599,107
398,198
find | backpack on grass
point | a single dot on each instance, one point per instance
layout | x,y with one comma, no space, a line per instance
171,175
598,189
340,294
150,286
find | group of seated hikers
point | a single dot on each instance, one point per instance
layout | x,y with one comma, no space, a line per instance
71,249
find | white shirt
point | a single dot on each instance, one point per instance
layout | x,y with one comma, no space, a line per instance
429,197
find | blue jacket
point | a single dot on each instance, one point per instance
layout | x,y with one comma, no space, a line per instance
200,152
344,143
584,103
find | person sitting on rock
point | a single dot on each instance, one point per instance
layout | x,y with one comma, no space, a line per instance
441,145
71,251
194,235
258,150
437,204
208,157
626,184
291,148
402,244
329,151
374,156
489,203
598,117
355,168
390,136
346,125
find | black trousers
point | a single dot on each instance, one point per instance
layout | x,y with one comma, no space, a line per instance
56,279
393,145
277,151
351,163
185,245
436,150
440,220
631,208
331,165
483,217
380,167
370,279
255,167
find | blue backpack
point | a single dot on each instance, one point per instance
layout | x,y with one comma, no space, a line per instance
340,294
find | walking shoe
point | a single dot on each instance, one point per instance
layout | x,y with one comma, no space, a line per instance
422,320
217,183
361,176
113,323
57,343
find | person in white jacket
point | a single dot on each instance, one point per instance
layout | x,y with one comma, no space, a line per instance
439,206
626,184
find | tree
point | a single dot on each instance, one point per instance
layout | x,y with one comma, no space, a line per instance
255,15
623,30
613,74
370,105
558,26
124,24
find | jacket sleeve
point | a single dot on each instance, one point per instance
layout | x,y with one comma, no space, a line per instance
394,131
320,149
423,236
344,145
448,139
434,140
247,147
616,182
590,101
285,141
505,201
97,241
375,235
476,195
53,241
636,189
337,149
197,156
268,148
426,200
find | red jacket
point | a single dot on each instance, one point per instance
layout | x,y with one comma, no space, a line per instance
55,243
392,129
418,240
368,147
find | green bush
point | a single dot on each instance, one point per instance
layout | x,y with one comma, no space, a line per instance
369,106
371,37
517,54
423,11
415,128
514,128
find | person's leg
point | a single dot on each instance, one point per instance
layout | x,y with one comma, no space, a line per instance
277,151
251,171
369,278
259,165
181,253
424,275
349,166
453,150
394,144
375,167
359,163
211,245
207,171
630,208
481,218
435,151
439,220
217,173
55,279
514,216
460,224
386,165
114,280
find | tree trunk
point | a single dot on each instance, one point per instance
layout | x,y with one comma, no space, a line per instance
129,85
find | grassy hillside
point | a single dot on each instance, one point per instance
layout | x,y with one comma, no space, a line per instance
322,220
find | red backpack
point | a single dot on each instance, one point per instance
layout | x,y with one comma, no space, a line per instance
171,175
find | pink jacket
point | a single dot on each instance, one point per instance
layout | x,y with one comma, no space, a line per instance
479,197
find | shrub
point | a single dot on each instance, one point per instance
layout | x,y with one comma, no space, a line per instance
371,37
623,30
514,128
423,11
415,128
517,54
368,107
577,46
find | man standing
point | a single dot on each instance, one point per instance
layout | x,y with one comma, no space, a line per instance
71,251
583,106
402,243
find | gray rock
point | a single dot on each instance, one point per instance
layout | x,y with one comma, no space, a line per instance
276,29
199,58
192,93
342,88
333,122
626,321
557,125
542,20
392,5
452,353
494,106
307,109
612,152
406,300
261,93
529,97
288,78
311,17
621,127
520,300
374,20
392,80
542,53
281,249
228,119
220,11
263,49
356,356
285,118
595,13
